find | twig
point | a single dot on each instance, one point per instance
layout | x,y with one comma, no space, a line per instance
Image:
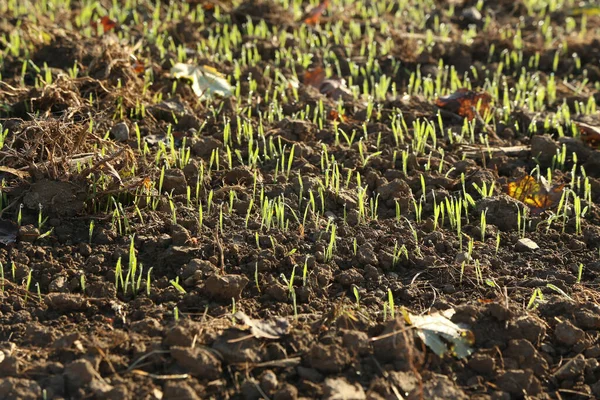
222,254
100,163
142,358
160,377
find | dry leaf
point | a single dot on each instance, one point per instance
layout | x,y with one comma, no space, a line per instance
537,195
8,232
332,88
440,334
590,134
314,77
138,67
19,174
106,23
333,115
206,81
336,89
313,16
274,329
465,103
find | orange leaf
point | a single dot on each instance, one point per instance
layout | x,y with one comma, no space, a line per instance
147,184
336,116
465,103
313,16
590,134
314,77
106,22
138,67
537,195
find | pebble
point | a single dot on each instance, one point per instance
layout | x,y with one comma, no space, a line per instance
525,244
340,388
120,132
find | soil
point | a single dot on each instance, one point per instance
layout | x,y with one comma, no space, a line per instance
69,329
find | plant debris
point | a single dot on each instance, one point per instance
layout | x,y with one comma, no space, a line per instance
538,195
206,81
442,335
466,103
8,232
274,329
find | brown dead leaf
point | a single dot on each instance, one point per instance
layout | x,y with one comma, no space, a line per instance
314,15
538,195
590,134
106,23
19,174
274,329
466,103
314,77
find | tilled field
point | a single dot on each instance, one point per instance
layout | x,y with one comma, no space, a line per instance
284,200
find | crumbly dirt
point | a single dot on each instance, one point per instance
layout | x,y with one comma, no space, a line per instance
69,329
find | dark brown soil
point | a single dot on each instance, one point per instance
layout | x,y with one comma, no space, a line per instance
68,331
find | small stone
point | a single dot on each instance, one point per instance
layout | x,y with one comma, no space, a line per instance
341,389
525,244
568,334
396,189
462,257
471,15
58,285
501,211
269,382
183,333
449,288
120,132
